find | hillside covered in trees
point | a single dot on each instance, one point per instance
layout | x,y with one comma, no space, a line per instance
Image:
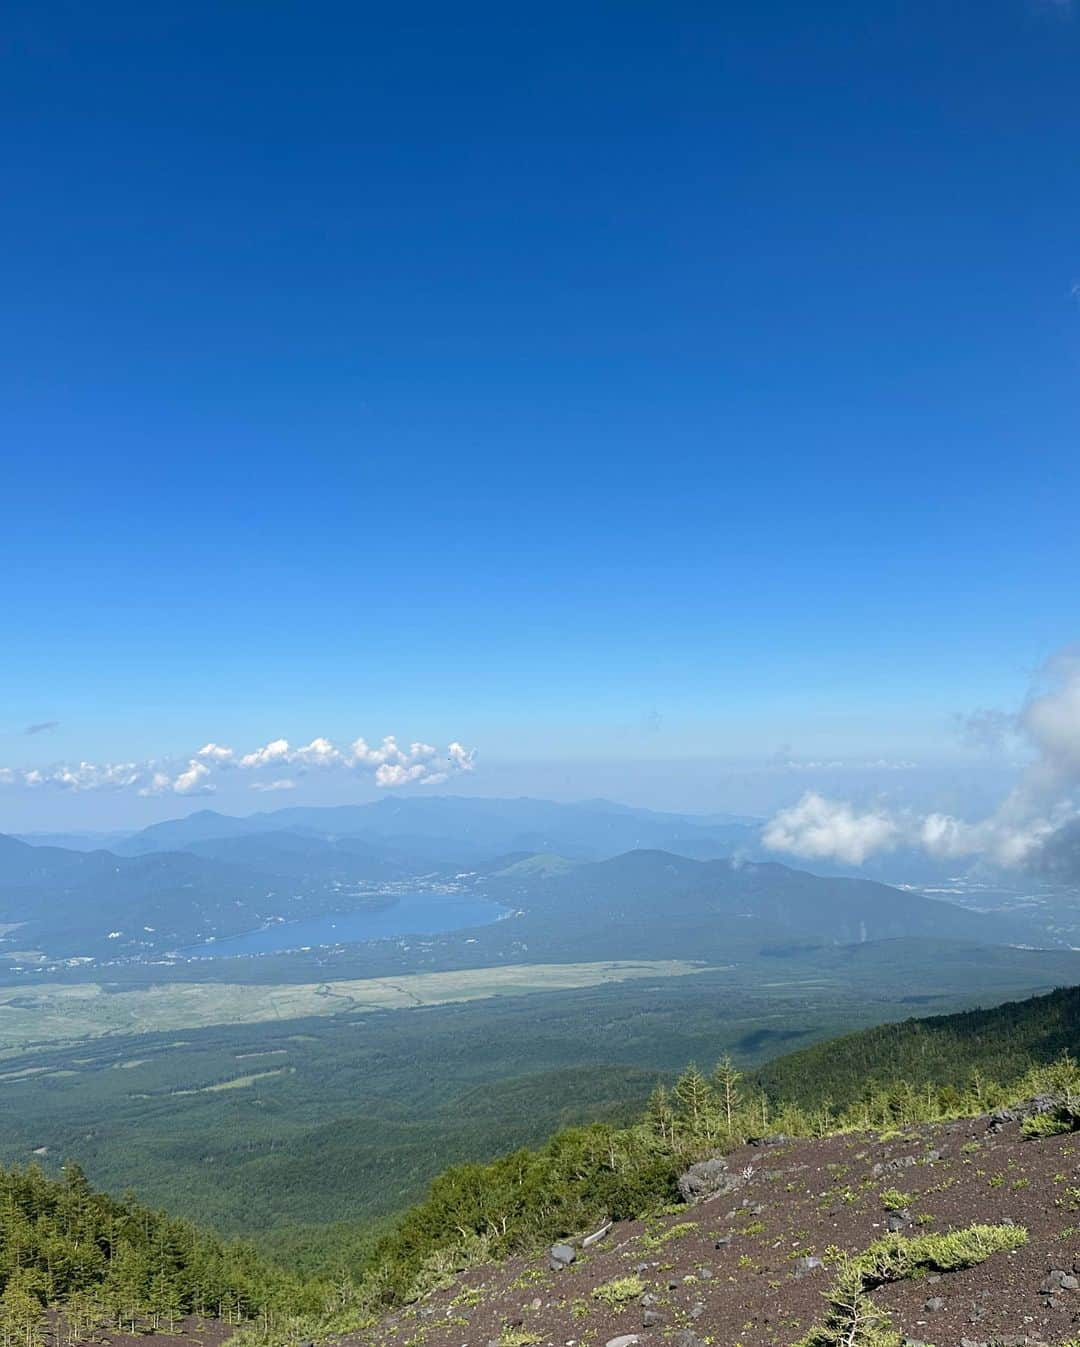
115,1265
946,1050
104,1262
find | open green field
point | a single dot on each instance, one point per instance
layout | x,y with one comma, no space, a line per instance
58,1013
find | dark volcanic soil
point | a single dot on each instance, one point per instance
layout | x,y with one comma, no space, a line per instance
728,1269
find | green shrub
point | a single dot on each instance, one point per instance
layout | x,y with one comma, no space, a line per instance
619,1292
1046,1125
853,1320
892,1199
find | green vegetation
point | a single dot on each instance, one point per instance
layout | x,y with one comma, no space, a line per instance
892,1199
853,1320
953,1052
585,1175
299,1160
104,1261
114,1264
58,1013
619,1292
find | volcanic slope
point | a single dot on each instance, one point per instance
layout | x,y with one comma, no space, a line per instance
751,1266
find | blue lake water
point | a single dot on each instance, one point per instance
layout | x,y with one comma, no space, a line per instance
412,914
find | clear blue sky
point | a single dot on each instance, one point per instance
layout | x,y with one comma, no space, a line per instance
585,383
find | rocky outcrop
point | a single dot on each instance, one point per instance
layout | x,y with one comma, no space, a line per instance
708,1178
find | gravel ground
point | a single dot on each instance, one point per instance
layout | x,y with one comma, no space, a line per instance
740,1270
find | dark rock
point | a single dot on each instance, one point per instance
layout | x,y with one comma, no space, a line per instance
775,1139
1029,1108
705,1273
890,1166
725,1240
697,1310
560,1256
686,1338
708,1178
651,1318
934,1304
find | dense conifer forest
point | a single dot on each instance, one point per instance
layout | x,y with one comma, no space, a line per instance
105,1262
115,1264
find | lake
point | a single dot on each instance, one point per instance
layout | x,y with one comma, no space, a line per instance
412,914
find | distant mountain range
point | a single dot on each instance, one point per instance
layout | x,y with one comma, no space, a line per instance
661,901
589,880
466,830
463,829
96,903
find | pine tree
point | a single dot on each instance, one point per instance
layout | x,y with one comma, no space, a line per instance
660,1115
695,1101
22,1316
726,1081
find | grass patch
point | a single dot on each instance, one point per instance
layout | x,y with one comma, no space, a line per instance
68,1013
853,1320
619,1292
679,1231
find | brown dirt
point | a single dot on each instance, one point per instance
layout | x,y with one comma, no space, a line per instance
806,1198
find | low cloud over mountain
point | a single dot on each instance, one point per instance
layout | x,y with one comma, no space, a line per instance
1037,825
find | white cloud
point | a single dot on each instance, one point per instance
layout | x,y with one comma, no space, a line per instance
1024,823
193,781
275,751
819,827
462,759
389,764
320,753
216,753
79,776
401,774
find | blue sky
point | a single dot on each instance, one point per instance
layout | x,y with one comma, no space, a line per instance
602,387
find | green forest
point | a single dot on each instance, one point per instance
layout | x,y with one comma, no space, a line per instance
115,1264
948,1049
101,1261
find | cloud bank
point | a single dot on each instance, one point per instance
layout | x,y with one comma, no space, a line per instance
1037,825
389,764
